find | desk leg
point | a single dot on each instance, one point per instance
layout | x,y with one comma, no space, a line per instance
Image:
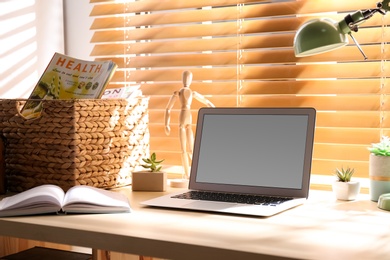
2,167
100,254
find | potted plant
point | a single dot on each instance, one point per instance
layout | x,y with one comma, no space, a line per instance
152,179
379,168
343,187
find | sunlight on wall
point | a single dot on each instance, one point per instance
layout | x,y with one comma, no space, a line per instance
19,57
28,42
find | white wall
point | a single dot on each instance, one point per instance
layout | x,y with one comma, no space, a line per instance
77,28
31,31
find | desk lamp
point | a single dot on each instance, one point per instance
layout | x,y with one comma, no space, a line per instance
321,35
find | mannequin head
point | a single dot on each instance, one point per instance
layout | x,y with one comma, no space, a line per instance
187,78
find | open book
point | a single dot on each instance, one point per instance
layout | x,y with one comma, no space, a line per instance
50,198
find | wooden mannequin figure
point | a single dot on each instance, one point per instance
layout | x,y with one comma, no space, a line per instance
185,95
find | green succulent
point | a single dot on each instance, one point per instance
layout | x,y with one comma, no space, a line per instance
344,175
382,148
152,163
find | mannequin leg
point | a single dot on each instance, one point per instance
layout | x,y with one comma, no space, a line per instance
190,141
184,155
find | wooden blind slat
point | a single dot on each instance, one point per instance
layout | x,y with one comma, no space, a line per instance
360,120
258,56
327,167
310,71
264,87
363,121
312,87
348,103
215,88
270,9
198,30
350,136
116,7
340,152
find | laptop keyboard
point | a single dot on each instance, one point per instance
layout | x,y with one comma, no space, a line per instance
234,198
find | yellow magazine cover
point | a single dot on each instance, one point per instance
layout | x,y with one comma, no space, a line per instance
69,78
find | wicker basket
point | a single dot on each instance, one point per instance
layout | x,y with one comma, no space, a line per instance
74,142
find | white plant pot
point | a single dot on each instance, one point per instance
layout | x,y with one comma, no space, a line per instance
346,190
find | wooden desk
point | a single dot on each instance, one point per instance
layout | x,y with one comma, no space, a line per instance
323,228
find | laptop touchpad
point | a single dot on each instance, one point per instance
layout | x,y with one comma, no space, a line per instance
206,205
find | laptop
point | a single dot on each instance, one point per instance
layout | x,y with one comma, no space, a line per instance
248,161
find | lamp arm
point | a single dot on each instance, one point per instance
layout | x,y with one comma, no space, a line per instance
351,21
384,5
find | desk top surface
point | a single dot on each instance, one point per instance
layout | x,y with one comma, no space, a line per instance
322,228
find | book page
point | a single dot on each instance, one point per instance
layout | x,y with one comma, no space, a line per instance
42,199
87,199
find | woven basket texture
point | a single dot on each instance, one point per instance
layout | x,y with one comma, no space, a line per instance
95,142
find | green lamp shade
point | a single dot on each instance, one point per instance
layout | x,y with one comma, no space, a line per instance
318,36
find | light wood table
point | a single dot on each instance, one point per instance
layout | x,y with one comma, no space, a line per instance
323,228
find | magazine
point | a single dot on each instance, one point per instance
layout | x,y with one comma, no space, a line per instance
126,92
49,198
69,78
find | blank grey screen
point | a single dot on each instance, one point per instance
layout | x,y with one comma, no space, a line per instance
254,150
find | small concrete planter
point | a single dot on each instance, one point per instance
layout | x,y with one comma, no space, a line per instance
149,181
346,190
379,173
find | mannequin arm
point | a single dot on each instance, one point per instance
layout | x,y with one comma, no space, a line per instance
202,99
167,117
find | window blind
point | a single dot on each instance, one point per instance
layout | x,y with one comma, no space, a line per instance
240,53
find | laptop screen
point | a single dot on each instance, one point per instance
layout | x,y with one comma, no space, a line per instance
253,150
